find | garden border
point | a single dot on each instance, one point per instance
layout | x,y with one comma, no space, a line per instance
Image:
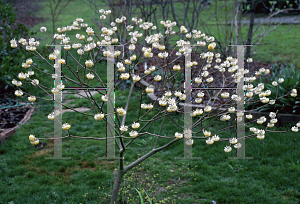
283,119
11,131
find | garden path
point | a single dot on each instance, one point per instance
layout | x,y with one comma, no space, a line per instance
79,95
274,20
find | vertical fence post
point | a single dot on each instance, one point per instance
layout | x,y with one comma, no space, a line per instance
57,107
187,105
110,123
240,153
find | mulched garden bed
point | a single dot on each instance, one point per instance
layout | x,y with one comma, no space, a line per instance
10,117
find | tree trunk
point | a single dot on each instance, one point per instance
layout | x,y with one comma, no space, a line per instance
116,188
250,31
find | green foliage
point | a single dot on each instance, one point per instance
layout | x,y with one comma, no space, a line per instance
26,177
286,104
10,58
141,197
264,6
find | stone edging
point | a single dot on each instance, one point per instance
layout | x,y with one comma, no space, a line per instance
282,118
4,135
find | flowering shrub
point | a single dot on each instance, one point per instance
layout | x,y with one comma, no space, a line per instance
165,72
9,30
287,77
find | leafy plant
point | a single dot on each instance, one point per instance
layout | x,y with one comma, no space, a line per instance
141,197
8,55
288,104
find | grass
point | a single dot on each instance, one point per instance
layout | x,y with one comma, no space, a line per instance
26,177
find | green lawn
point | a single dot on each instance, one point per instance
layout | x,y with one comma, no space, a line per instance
26,177
271,177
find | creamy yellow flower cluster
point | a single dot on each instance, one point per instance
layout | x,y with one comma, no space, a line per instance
33,140
31,47
133,133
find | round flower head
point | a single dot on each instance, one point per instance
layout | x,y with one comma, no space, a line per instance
281,80
249,116
200,94
127,61
207,109
207,133
168,93
89,63
104,98
99,116
133,57
172,108
124,76
211,46
80,51
199,111
144,106
25,65
260,121
147,71
31,98
157,78
124,128
187,134
231,109
30,73
183,29
35,141
210,79
133,133
29,61
260,137
55,90
189,142
233,141
90,76
67,47
135,125
31,138
249,94
210,141
227,149
22,75
225,117
198,100
182,97
149,106
178,135
176,67
18,93
238,145
215,138
178,93
274,83
225,95
249,60
66,126
131,47
149,90
272,102
121,111
136,78
162,102
198,80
